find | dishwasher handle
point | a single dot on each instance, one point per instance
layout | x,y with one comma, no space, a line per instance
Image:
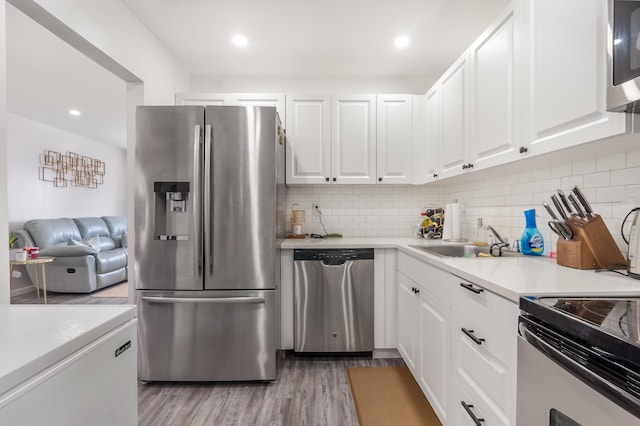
333,261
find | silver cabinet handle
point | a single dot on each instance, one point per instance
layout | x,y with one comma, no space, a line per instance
193,300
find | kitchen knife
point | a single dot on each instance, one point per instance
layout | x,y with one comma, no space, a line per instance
583,200
576,206
558,206
551,213
565,202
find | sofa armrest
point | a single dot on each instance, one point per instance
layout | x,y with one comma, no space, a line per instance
24,238
65,250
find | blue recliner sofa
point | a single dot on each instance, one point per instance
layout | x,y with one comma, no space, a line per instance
90,252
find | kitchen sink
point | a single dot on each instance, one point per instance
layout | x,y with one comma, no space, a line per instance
462,250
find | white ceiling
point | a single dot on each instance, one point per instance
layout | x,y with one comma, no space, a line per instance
287,38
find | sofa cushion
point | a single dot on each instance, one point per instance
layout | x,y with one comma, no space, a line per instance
49,232
116,225
111,260
71,248
95,232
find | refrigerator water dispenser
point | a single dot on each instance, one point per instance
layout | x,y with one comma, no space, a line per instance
171,218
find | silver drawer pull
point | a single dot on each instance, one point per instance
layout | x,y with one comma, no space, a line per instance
470,335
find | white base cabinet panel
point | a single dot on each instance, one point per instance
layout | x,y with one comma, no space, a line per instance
97,385
459,341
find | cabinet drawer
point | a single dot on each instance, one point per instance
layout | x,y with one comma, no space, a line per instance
434,280
476,409
490,316
492,377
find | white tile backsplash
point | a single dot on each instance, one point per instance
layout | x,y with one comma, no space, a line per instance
611,183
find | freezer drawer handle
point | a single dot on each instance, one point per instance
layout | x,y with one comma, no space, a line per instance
221,300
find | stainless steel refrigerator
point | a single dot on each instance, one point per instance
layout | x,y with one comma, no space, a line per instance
209,183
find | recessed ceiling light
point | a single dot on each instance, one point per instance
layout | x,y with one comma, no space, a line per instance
401,42
74,112
240,40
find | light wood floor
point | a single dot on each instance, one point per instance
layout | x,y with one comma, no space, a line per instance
310,391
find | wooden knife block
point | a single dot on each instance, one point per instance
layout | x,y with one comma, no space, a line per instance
592,246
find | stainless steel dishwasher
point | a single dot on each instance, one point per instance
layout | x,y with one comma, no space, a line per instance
333,300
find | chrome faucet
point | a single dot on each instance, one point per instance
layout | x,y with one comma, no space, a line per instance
498,237
502,242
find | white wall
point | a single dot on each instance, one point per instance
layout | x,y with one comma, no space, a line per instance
31,198
113,28
4,253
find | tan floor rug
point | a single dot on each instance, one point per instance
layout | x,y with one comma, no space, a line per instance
118,290
389,396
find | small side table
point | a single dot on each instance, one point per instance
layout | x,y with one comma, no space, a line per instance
42,261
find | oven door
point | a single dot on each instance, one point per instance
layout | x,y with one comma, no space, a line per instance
548,394
623,91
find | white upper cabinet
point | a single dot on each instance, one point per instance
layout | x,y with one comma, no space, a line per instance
308,153
395,139
496,132
565,72
432,143
203,99
353,152
454,90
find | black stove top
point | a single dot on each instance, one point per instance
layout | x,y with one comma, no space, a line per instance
619,317
609,324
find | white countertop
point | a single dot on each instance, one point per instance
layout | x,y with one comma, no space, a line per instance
33,337
511,277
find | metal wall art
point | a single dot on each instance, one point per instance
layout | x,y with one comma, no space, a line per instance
71,168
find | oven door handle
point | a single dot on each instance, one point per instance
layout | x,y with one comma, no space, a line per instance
613,392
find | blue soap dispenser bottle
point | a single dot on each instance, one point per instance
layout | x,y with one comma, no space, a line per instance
531,242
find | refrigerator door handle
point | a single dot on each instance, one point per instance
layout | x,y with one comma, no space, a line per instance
191,300
207,197
197,148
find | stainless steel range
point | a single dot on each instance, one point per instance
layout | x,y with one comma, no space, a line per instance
579,361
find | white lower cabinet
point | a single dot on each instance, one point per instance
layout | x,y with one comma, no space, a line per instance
434,360
463,350
407,320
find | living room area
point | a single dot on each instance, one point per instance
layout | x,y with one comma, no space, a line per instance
66,170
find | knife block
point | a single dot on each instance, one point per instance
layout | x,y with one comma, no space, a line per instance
592,246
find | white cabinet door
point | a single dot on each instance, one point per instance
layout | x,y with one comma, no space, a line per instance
434,369
454,87
203,99
496,134
261,99
395,153
308,153
354,139
407,316
566,75
433,135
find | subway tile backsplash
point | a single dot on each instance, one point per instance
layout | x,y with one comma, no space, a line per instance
611,183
